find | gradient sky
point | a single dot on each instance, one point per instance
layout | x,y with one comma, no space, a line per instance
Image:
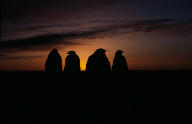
154,34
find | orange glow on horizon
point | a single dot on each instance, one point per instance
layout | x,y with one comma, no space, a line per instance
83,63
139,56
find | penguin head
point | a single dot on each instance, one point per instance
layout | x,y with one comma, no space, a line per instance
100,51
54,51
71,53
119,52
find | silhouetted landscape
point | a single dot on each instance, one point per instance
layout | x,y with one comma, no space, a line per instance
100,94
96,61
133,97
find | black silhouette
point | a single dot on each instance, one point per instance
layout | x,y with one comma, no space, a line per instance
98,62
72,62
119,62
53,62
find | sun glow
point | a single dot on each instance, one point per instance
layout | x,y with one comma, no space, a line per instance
83,64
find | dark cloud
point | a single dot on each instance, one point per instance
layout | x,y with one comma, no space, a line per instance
167,25
47,40
1,55
170,26
19,57
138,25
179,29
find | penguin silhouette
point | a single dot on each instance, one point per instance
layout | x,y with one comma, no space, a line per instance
119,62
98,62
53,62
72,62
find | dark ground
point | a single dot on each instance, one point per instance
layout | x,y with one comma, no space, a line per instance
134,97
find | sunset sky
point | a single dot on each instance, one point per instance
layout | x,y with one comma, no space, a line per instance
154,34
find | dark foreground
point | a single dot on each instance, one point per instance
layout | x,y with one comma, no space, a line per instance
134,97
